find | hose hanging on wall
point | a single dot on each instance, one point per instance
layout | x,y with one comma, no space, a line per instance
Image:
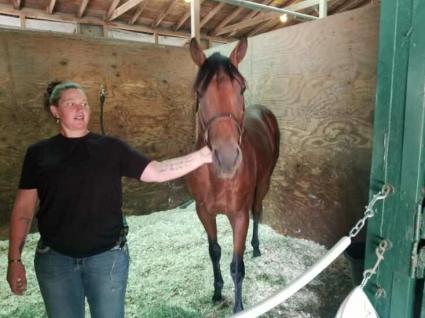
102,98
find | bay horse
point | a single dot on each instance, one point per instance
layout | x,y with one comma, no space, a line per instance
245,148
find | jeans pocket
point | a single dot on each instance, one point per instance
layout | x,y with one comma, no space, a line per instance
42,248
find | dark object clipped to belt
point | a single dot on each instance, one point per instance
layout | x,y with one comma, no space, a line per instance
122,239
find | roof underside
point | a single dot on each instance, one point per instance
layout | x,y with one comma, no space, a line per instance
219,21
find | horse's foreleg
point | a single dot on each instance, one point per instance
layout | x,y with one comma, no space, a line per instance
237,270
237,267
210,225
215,255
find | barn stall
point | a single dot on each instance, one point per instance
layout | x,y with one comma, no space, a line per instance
317,77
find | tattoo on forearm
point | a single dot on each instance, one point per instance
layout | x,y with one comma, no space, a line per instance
176,164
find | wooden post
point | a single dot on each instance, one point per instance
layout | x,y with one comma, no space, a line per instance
22,19
323,8
397,289
195,8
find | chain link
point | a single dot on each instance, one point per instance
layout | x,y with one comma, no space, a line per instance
380,251
370,212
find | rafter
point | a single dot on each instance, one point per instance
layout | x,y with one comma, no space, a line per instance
124,8
212,13
138,13
61,17
51,6
17,4
263,26
82,8
183,18
252,14
226,20
287,4
164,13
348,5
112,7
246,23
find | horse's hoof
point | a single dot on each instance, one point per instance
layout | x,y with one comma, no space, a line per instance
217,298
256,253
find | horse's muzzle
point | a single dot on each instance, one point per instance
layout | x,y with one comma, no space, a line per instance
226,160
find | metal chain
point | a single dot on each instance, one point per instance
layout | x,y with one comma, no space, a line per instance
380,251
370,212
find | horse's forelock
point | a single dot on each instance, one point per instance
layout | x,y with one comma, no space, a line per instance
213,65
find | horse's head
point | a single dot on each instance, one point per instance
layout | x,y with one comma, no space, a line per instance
219,87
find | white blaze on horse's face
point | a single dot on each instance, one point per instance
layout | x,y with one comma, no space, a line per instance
221,111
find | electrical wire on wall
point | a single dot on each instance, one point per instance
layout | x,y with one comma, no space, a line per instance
102,98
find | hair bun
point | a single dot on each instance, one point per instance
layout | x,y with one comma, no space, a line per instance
49,89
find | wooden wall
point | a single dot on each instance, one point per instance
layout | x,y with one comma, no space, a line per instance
319,79
149,103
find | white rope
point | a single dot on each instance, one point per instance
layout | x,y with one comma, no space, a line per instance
298,283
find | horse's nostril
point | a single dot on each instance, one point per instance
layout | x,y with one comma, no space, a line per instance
217,156
238,153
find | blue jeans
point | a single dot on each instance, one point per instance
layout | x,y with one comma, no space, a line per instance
66,281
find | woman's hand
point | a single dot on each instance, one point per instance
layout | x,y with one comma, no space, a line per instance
17,278
205,154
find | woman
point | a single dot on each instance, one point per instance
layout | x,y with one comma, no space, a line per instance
76,175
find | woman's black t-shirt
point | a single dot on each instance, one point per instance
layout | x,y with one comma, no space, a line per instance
78,181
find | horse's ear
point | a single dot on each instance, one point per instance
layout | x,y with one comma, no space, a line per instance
239,51
197,55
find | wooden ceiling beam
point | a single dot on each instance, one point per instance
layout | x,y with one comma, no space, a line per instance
164,13
348,5
246,23
212,13
183,18
252,14
112,7
258,6
51,6
138,13
130,4
264,25
17,4
263,17
226,20
82,8
65,17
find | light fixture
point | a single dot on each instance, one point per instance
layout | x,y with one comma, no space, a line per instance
283,18
187,1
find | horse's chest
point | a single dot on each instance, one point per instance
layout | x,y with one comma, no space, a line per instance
224,196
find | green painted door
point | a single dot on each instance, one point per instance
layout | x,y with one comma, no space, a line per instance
397,288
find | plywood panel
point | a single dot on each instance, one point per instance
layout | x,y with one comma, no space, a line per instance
149,103
319,80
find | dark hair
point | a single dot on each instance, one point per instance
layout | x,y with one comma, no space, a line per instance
54,92
213,65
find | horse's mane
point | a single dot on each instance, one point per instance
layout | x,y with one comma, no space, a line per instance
213,65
